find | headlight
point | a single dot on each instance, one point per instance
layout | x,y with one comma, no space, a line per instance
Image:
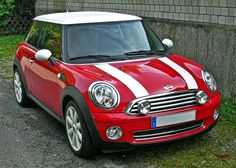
104,95
202,97
144,107
209,81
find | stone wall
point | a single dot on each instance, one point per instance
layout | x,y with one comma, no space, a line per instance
205,11
210,45
202,30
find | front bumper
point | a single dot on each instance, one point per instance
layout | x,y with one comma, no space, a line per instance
132,124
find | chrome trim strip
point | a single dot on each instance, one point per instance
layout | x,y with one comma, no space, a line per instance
170,97
174,104
147,137
130,105
168,101
161,133
174,108
169,109
172,101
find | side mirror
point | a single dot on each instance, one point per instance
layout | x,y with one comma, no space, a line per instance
168,43
45,55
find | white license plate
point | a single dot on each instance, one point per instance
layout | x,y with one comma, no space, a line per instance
173,119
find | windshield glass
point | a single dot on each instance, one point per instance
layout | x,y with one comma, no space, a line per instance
110,39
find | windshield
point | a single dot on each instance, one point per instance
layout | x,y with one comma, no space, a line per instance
110,39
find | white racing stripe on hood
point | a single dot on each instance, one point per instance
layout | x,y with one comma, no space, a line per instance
137,89
190,81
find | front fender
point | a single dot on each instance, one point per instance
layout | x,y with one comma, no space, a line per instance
79,99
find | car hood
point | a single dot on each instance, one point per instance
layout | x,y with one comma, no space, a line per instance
143,77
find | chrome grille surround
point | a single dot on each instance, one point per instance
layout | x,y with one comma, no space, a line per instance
168,131
165,102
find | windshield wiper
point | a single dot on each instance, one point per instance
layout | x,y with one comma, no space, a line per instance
98,57
144,52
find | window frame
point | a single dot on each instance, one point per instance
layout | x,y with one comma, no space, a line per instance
65,43
62,38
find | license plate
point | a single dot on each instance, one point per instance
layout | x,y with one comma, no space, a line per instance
173,119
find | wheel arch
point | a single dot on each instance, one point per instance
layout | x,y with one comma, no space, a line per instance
77,96
16,65
65,101
72,93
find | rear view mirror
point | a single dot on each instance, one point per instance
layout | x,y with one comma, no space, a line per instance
168,43
45,55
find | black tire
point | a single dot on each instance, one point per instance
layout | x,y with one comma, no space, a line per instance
24,101
87,148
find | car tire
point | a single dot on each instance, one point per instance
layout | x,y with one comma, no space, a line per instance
77,131
19,90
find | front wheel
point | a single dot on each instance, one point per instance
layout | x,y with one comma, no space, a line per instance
77,131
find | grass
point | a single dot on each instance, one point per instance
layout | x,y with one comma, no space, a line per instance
228,110
216,149
8,46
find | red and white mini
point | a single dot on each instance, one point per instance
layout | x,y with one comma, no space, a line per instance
112,82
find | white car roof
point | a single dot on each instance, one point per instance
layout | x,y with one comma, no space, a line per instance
67,18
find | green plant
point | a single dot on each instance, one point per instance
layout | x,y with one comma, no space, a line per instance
8,46
228,110
6,11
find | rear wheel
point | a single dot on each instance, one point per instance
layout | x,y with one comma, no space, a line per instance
77,132
19,89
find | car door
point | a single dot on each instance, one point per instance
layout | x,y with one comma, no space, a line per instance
44,84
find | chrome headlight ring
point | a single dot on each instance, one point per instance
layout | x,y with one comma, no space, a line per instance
104,95
209,81
202,97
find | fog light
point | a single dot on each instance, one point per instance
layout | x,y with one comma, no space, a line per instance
144,107
202,97
114,133
216,114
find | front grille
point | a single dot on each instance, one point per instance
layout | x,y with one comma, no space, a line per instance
167,131
165,102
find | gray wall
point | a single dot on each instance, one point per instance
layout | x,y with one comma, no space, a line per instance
202,30
212,46
206,11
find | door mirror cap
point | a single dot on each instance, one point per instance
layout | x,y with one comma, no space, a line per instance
168,43
43,55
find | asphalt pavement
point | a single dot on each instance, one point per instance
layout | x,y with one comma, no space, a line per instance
29,137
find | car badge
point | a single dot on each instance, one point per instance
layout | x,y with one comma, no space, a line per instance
168,87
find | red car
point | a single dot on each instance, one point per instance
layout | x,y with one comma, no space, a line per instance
112,82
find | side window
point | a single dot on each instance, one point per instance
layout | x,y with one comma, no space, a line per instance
153,40
33,35
50,38
46,36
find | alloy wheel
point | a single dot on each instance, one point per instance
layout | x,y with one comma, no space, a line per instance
73,128
18,87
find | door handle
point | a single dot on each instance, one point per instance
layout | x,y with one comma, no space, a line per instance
31,60
61,76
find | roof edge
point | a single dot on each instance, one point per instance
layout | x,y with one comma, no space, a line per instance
84,17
